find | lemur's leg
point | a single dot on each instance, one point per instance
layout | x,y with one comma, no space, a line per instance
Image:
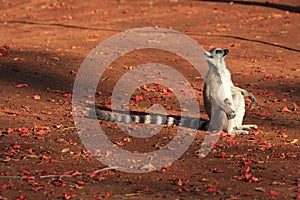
239,106
218,121
249,126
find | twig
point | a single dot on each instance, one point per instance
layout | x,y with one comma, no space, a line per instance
56,176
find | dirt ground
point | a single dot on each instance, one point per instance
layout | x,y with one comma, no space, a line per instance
43,44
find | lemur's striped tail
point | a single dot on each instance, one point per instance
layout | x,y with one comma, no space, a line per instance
154,119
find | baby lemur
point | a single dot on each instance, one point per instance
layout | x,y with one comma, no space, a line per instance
224,103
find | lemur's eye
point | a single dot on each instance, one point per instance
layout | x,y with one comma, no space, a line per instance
218,51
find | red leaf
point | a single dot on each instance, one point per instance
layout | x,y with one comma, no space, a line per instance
58,183
80,182
63,184
168,166
26,108
107,195
273,193
16,146
4,51
126,11
211,190
93,174
37,188
138,98
21,197
22,130
4,186
76,173
39,137
30,151
68,95
223,155
286,109
263,93
73,73
295,108
246,169
9,130
19,59
5,54
266,114
55,58
218,170
21,85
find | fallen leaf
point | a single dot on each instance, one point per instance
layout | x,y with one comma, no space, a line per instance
138,98
148,167
65,150
273,193
4,51
73,73
68,95
4,186
9,130
21,85
55,58
266,114
295,107
223,155
216,170
260,189
211,190
36,97
107,195
16,146
19,59
294,141
264,93
37,188
286,109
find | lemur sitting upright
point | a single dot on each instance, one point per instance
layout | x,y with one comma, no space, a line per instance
224,103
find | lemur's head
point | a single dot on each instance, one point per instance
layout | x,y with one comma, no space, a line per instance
216,55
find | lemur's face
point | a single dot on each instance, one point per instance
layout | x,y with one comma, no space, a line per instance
216,55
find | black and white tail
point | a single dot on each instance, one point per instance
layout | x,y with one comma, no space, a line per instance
195,123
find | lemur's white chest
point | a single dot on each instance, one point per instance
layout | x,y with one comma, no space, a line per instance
226,84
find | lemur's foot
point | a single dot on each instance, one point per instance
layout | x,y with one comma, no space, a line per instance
249,127
253,99
239,132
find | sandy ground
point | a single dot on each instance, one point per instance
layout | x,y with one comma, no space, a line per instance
45,42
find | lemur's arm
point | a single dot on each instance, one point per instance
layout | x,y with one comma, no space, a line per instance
245,93
224,104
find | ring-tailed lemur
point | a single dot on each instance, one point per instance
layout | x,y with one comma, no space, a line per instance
216,107
224,103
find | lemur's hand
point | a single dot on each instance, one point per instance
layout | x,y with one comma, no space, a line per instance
253,99
229,112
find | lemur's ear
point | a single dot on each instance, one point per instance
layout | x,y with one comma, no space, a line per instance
207,55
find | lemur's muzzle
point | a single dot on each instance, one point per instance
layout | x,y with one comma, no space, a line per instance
226,51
